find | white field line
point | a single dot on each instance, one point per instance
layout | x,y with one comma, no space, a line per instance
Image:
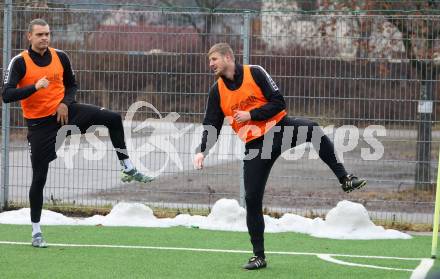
422,270
419,272
330,258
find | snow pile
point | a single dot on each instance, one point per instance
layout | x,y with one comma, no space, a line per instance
348,220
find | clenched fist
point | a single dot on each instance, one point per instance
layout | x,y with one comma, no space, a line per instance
42,83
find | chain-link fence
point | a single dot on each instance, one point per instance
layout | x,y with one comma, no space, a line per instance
338,69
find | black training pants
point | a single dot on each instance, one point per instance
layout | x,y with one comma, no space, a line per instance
42,141
261,154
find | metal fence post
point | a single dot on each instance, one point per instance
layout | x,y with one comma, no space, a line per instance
424,135
246,51
7,38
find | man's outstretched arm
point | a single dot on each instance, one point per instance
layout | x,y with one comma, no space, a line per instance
212,125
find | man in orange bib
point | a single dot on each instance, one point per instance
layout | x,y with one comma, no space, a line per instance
248,97
41,78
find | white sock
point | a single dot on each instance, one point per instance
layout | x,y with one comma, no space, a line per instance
36,228
127,165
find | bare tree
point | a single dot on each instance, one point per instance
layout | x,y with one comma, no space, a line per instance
202,23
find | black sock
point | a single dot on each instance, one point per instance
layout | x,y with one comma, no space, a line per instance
342,179
260,254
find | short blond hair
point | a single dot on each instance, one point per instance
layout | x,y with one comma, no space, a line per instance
222,48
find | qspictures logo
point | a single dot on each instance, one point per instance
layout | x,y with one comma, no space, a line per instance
164,134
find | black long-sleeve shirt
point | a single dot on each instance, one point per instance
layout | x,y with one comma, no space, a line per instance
17,70
214,116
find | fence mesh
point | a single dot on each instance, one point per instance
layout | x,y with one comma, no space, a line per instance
338,69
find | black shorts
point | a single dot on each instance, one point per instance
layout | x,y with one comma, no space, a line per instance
42,136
